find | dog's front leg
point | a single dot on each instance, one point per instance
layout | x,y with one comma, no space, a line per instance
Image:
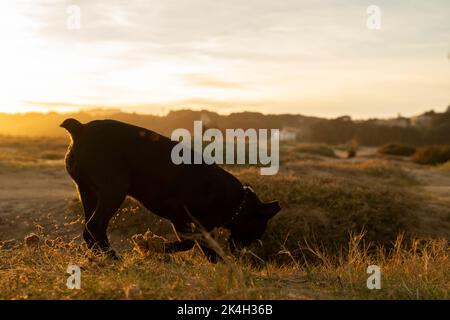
210,253
187,231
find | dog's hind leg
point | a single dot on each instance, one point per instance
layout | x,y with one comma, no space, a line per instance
89,202
109,199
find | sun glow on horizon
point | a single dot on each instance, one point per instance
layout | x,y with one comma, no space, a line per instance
15,108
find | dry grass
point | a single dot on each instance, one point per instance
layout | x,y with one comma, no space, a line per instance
338,217
419,269
38,271
19,153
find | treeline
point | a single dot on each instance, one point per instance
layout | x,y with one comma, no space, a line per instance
368,133
47,124
309,129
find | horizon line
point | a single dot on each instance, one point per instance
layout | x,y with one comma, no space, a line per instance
117,109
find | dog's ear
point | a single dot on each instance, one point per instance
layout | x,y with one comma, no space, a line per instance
269,209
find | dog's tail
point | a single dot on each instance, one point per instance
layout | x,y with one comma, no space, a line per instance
73,126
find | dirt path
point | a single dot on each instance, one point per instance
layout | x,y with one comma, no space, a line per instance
35,196
435,186
435,181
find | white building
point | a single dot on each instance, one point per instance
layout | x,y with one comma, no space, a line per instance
287,134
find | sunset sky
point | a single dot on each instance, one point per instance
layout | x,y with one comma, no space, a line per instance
291,56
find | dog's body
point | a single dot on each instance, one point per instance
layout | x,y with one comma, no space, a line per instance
109,160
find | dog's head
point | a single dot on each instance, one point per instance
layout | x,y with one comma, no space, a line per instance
251,222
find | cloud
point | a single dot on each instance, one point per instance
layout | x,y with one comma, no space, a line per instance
206,80
152,52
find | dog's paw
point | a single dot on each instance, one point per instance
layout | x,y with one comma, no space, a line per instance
113,255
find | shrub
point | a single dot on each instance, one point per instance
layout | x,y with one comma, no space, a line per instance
397,150
316,149
434,154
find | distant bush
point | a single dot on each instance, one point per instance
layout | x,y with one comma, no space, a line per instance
434,154
316,149
397,150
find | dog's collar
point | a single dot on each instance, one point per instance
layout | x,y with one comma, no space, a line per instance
240,209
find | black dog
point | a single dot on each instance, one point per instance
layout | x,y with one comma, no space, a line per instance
109,160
